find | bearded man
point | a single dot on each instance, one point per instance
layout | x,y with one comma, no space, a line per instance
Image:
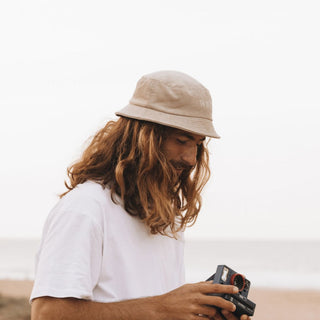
112,248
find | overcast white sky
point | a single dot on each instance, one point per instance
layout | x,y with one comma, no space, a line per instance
67,66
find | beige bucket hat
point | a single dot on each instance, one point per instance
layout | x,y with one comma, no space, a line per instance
173,99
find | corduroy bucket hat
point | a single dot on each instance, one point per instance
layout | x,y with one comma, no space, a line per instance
173,99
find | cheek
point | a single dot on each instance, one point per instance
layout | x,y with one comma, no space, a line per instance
171,152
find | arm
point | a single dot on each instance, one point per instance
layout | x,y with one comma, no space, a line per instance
184,303
48,308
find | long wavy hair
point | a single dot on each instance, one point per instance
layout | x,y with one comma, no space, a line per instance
127,156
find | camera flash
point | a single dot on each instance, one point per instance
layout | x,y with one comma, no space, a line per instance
224,276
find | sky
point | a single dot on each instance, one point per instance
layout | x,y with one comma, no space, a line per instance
67,66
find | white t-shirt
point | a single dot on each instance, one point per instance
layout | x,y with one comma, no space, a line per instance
93,249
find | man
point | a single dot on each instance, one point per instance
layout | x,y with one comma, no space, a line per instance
112,248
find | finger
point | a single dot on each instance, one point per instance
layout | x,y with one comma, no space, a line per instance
218,302
229,316
209,287
217,317
211,313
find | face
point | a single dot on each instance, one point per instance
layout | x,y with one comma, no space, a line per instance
181,149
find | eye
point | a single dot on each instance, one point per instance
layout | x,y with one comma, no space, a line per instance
181,141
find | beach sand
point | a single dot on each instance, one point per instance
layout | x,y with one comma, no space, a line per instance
285,304
14,299
271,304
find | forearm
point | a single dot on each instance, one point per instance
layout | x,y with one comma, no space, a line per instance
185,302
47,308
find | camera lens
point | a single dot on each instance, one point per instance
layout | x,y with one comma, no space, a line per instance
238,280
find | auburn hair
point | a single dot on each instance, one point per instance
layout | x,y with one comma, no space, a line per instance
127,157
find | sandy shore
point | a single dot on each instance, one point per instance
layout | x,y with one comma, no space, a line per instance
14,300
285,304
16,288
271,304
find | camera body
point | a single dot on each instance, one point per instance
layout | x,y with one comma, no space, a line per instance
225,275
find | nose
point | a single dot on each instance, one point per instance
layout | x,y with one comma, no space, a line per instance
189,157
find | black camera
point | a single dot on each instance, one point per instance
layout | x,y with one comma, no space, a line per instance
225,275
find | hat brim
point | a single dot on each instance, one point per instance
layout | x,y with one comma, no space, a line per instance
196,125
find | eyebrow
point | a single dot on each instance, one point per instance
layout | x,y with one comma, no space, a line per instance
189,136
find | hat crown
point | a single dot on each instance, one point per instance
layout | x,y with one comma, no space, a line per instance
173,99
173,92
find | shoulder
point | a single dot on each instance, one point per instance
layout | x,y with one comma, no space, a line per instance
84,194
89,189
87,199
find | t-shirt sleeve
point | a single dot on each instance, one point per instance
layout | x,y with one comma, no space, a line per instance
70,255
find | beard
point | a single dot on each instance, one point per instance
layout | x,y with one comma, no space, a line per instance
180,171
181,166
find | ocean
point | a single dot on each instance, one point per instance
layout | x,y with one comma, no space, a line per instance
267,264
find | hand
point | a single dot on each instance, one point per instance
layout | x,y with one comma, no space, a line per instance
230,316
192,302
226,315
